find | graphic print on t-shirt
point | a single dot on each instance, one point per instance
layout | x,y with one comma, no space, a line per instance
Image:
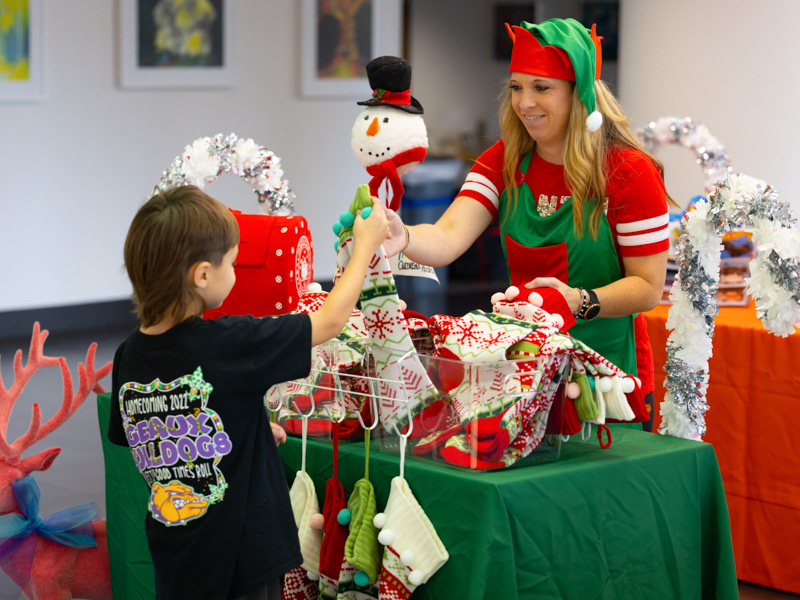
176,442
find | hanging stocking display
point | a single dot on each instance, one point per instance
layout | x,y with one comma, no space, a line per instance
301,583
334,530
403,379
359,573
413,552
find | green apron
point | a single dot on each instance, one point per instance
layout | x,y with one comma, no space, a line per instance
536,246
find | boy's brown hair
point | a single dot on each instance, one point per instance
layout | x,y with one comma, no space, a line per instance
172,231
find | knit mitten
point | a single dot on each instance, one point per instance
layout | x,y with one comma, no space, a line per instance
413,551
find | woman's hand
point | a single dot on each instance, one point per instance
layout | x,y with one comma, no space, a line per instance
278,432
396,242
571,295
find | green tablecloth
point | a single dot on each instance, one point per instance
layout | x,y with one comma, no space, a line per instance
126,506
646,518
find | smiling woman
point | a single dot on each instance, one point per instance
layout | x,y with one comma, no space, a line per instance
581,204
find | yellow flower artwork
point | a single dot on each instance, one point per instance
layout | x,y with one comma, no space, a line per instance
180,33
14,40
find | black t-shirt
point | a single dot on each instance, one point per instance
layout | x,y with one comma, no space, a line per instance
191,408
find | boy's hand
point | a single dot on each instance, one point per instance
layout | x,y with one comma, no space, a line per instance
278,432
371,232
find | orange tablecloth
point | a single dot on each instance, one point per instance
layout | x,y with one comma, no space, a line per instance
754,400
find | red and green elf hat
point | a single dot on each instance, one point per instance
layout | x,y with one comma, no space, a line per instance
561,49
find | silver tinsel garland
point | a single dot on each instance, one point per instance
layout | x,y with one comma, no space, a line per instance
272,199
709,153
738,202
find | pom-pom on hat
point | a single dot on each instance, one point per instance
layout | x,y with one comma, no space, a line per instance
390,80
561,49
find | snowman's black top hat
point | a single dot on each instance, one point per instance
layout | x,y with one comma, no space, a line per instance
390,80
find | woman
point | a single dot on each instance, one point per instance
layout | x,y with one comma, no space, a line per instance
565,143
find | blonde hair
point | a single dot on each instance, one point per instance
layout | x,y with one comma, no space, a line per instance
585,152
172,231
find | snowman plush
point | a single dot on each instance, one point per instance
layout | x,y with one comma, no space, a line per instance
389,137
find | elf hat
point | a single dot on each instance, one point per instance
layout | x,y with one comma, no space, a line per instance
390,80
561,49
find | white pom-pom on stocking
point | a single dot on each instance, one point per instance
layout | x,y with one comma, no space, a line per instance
407,557
386,537
604,384
628,385
536,299
512,292
415,577
558,320
379,520
312,576
403,304
314,288
594,121
498,297
573,390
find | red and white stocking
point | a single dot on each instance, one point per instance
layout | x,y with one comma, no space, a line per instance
412,551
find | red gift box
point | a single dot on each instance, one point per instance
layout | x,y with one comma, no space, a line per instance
273,268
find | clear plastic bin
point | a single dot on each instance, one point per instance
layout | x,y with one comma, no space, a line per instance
479,416
482,416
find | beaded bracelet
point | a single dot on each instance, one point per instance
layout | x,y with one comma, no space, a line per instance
579,311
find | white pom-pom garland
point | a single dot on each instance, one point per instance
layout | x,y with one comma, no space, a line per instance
386,537
594,121
415,577
379,520
407,557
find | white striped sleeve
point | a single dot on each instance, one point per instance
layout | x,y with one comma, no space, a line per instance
483,186
643,225
643,232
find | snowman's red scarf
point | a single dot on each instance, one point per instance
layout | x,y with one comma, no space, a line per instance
388,170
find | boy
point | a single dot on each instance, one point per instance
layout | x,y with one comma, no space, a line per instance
190,396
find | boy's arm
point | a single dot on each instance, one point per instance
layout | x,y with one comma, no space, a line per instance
332,316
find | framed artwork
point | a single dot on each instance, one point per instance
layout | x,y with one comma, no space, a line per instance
21,51
513,14
339,37
176,43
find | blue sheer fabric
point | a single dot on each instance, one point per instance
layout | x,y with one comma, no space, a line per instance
69,527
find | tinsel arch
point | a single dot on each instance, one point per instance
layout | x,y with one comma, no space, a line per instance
738,202
735,202
206,158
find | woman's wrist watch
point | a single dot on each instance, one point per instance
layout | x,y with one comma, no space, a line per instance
590,305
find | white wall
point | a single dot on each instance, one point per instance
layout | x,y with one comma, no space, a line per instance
729,64
75,167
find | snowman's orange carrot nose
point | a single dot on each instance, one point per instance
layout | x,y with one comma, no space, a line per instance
373,127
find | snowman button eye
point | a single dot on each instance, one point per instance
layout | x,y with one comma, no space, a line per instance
366,117
385,119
